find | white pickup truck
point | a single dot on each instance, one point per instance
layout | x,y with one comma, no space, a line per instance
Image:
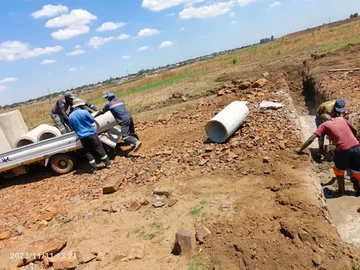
58,151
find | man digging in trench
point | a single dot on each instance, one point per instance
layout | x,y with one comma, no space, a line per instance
347,153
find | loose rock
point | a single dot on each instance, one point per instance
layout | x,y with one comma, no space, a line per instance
85,257
266,160
134,206
136,251
259,83
112,185
162,191
183,242
226,206
202,233
5,235
172,202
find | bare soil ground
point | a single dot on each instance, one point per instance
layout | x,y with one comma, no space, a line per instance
277,217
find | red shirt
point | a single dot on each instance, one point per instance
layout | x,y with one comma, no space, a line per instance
339,132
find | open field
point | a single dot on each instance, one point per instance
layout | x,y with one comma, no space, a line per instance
265,206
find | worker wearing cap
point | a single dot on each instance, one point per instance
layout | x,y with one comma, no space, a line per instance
347,153
81,122
123,118
334,108
59,115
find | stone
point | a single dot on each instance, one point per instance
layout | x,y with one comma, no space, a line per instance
184,98
305,236
19,229
145,202
85,257
183,242
316,259
64,217
112,185
109,209
265,74
134,206
158,203
202,233
51,246
162,191
101,256
259,83
64,261
136,251
88,215
226,206
221,92
266,160
266,171
203,161
244,85
168,152
5,235
82,267
172,202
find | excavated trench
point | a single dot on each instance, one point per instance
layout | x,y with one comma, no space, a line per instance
343,210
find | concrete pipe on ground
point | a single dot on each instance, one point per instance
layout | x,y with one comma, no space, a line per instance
226,122
13,126
39,133
104,122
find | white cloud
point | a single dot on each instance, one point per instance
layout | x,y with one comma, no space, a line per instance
181,29
147,32
158,5
232,14
126,57
166,44
73,69
97,42
49,11
78,47
143,48
233,22
206,11
243,3
74,24
123,37
108,26
2,88
76,52
7,80
170,14
15,50
275,4
48,62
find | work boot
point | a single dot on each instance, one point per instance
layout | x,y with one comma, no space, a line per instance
109,163
341,185
137,146
93,170
356,186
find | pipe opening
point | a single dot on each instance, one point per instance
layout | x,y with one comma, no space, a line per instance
46,135
216,131
23,142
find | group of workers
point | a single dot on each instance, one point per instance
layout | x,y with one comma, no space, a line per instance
331,122
81,121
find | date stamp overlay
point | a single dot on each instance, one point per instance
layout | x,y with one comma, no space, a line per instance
37,256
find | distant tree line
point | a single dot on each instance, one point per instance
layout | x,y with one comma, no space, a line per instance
355,15
267,40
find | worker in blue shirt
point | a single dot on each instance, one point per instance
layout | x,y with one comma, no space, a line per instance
81,122
123,118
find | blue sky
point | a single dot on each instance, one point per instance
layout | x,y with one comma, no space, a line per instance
58,45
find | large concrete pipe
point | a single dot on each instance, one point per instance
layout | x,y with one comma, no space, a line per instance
226,122
4,145
13,126
39,133
104,122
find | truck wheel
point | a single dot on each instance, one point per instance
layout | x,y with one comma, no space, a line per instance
62,163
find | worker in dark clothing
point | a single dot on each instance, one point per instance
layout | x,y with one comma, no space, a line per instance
81,122
123,118
59,115
59,112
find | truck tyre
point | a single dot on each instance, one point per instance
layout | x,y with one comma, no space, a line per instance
62,163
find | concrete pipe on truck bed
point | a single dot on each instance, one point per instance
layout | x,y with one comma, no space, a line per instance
39,133
104,122
226,122
13,126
